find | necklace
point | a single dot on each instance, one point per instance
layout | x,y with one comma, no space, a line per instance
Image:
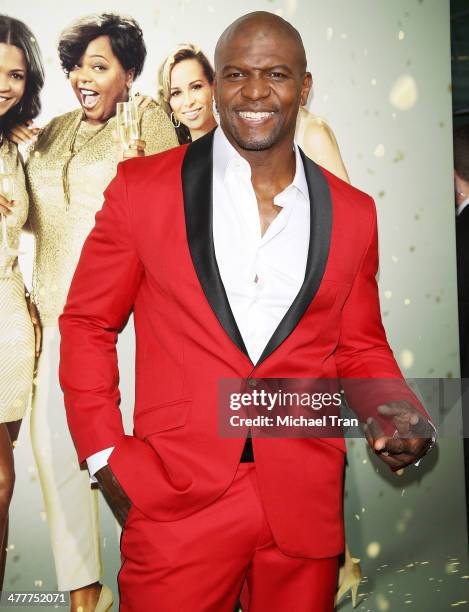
73,149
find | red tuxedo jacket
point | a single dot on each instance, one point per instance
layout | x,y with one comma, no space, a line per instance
152,251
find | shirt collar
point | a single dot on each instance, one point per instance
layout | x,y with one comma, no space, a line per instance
226,156
462,206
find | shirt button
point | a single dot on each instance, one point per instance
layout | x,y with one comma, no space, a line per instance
252,382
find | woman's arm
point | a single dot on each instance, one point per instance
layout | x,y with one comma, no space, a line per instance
320,144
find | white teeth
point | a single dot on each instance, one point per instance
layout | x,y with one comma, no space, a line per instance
256,116
88,92
3,99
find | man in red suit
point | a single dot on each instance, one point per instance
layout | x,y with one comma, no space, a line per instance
241,258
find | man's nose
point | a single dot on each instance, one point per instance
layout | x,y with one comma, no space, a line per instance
255,88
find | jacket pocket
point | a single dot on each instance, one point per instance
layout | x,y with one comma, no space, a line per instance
162,417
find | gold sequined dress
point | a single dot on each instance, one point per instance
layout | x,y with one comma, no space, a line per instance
16,330
67,171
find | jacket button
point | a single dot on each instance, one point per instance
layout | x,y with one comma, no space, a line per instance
252,382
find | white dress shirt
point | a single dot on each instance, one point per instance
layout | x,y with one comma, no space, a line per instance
262,274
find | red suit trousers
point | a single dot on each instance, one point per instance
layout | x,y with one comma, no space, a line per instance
202,563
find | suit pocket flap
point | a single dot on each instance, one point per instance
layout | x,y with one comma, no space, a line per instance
161,418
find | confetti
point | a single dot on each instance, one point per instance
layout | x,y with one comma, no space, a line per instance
379,151
373,549
403,94
382,603
407,359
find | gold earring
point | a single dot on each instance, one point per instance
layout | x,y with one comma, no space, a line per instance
176,125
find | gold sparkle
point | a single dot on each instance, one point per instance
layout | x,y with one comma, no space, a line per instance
400,527
382,603
379,150
403,94
373,550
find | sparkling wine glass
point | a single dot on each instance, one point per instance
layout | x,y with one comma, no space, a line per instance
6,179
127,123
7,191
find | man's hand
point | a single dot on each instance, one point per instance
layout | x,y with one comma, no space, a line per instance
411,441
114,494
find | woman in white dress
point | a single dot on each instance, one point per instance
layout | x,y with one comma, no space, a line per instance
21,79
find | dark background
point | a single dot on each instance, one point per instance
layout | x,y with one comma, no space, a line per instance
460,60
460,87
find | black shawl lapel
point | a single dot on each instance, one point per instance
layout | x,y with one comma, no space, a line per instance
318,251
197,186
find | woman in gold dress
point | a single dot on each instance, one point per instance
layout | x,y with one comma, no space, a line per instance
71,163
21,79
185,88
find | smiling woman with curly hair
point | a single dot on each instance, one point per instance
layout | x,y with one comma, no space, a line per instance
70,165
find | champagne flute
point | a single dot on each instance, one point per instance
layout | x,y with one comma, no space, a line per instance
6,190
127,123
6,179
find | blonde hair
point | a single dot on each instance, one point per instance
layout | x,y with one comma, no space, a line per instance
181,52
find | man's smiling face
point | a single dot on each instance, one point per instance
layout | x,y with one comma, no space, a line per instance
260,84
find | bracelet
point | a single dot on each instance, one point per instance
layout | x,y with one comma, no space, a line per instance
429,447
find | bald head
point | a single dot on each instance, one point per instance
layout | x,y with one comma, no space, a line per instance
261,25
260,82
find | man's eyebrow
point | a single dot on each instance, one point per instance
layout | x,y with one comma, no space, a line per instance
283,67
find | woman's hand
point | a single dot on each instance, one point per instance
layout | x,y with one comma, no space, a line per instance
6,206
36,321
141,101
23,133
136,149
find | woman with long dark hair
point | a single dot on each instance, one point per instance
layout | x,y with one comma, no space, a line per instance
21,80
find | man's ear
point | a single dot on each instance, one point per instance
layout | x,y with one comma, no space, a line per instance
306,88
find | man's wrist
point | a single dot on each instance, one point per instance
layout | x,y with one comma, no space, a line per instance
430,445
